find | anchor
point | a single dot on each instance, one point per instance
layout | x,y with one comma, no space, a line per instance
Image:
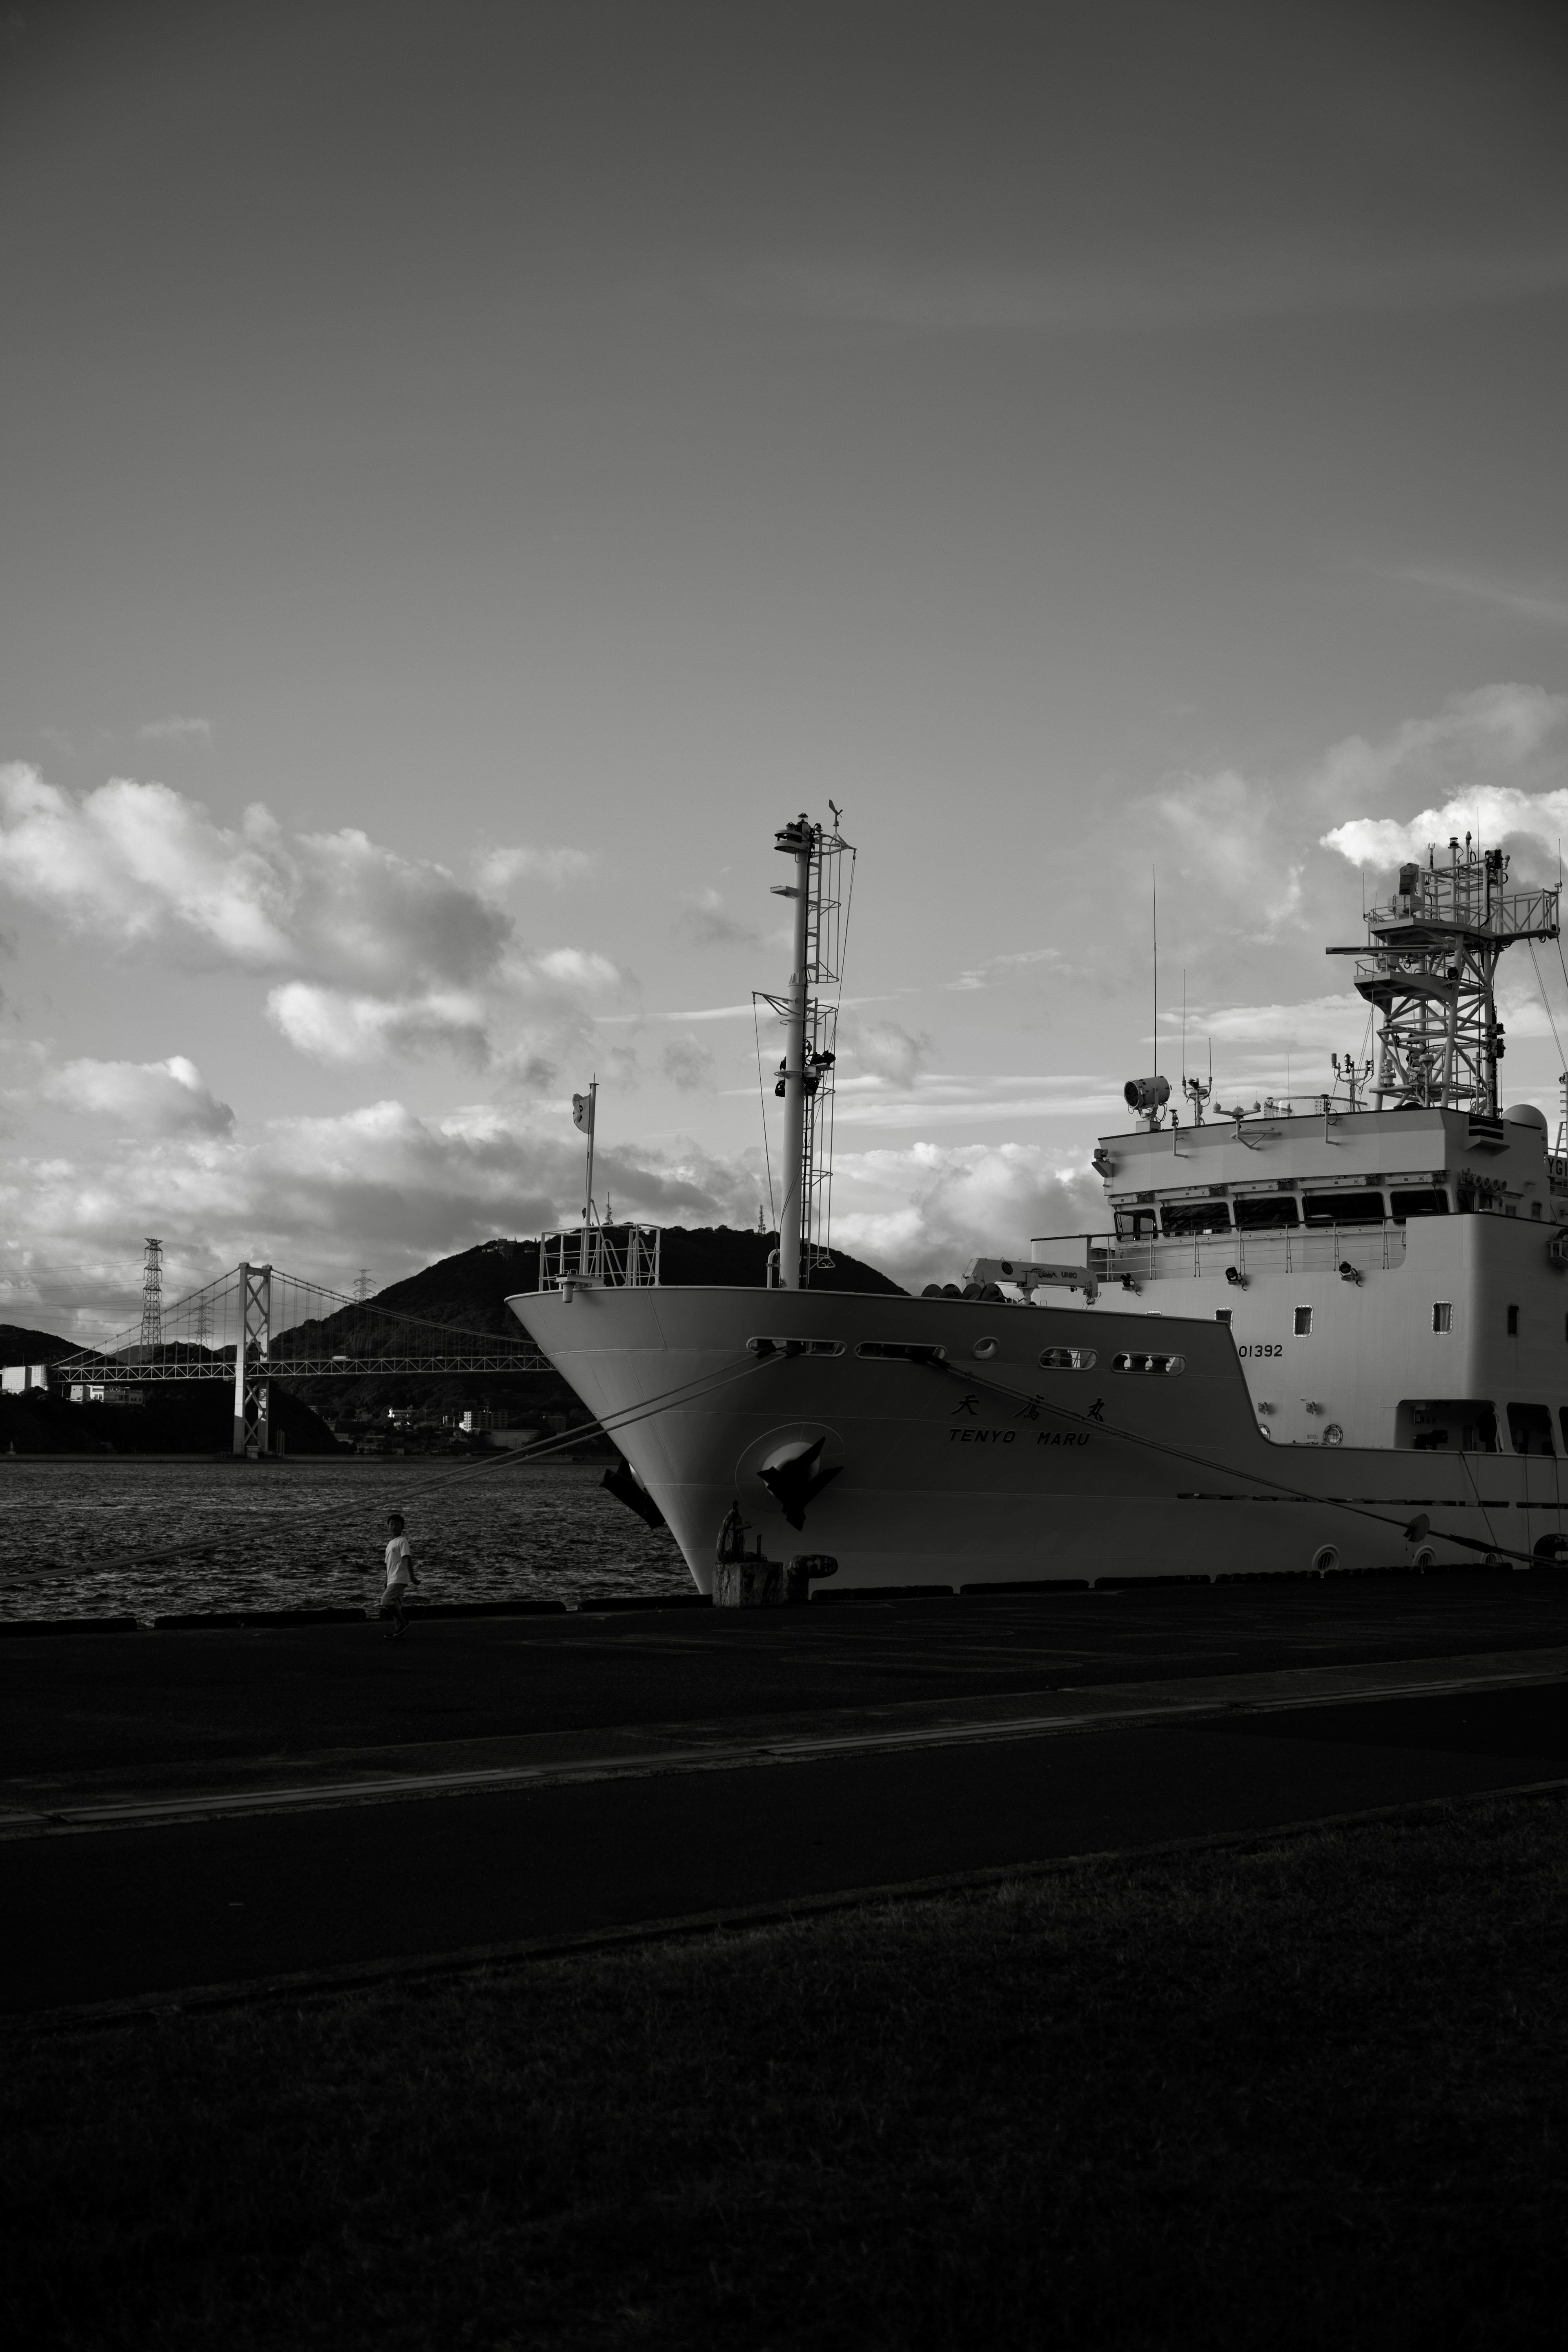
795,1483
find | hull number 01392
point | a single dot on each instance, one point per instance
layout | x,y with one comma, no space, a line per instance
1272,1349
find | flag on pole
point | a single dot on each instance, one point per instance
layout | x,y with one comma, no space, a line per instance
582,1113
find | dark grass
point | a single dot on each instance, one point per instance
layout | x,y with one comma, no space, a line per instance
1303,2094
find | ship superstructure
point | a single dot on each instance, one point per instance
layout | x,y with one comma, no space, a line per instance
1322,1332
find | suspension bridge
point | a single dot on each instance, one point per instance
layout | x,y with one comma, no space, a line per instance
255,1324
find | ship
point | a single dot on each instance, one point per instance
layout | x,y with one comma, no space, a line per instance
1313,1336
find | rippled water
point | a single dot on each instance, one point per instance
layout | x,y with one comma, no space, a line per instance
299,1535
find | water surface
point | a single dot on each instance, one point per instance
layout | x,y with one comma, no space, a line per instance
301,1534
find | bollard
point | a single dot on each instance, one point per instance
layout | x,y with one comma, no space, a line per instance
748,1584
799,1572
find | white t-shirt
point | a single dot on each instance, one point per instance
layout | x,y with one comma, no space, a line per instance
399,1558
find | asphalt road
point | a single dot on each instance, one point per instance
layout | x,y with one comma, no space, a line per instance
83,1709
106,1915
115,1914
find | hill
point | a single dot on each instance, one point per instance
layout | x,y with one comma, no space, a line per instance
20,1345
471,1288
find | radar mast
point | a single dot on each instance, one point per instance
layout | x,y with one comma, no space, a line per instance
1429,969
805,1078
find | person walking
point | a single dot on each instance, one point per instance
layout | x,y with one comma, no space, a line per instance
399,1577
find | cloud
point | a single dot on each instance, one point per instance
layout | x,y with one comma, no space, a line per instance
150,1098
885,1050
1513,736
703,923
1023,966
922,1212
686,1064
1227,833
498,869
331,1025
321,1197
379,1185
948,1099
1541,604
176,730
137,863
577,968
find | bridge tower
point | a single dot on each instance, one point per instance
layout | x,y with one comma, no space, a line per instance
151,1297
252,1345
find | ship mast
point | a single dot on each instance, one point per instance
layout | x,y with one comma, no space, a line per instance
1430,968
805,1078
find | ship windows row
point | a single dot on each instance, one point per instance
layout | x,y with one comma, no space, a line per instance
1471,1425
1276,1212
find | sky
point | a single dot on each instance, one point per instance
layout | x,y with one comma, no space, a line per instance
471,472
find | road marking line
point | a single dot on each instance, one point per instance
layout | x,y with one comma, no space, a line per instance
67,1820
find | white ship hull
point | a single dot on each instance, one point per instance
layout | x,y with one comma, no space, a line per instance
989,1469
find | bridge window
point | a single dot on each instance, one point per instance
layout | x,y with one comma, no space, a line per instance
1343,1208
1196,1217
1135,1224
1530,1429
1418,1201
1266,1211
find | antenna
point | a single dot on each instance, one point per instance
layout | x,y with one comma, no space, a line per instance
1183,1026
1154,953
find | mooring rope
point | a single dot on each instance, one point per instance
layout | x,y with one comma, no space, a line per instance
700,1387
1202,1462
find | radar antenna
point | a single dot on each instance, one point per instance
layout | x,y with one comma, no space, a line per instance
1429,969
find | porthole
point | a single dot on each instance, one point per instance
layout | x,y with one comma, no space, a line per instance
1326,1559
1068,1359
1140,1363
984,1349
1333,1434
1426,1557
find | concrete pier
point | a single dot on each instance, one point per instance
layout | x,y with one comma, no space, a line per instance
226,1806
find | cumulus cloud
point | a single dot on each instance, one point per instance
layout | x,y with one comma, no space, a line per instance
1499,737
372,954
176,730
1493,763
498,869
686,1064
885,1050
332,1025
167,1097
922,1212
1229,834
702,923
321,1196
140,863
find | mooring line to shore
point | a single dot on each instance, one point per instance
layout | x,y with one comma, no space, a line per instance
701,1387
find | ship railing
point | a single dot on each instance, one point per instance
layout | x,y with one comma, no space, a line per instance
612,1257
1167,1257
